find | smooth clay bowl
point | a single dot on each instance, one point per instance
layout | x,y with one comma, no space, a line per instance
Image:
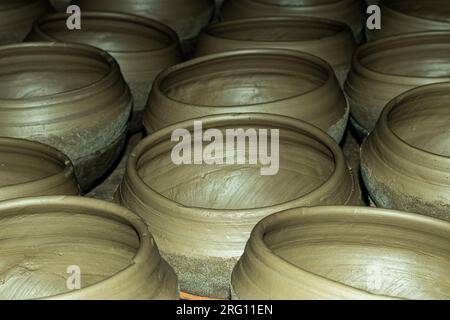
386,68
350,12
345,253
43,239
202,215
16,18
186,17
69,96
407,16
406,160
142,47
283,82
330,40
33,169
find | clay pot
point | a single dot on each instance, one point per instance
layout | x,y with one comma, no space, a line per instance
407,16
142,47
383,69
350,12
16,18
69,96
60,5
33,169
201,215
406,160
345,253
283,82
187,17
116,256
329,40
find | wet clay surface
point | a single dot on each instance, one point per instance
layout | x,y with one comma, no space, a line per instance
346,253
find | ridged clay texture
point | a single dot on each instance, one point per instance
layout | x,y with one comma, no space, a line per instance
116,255
142,47
72,97
350,12
345,253
283,82
406,160
60,5
408,16
16,18
201,215
386,68
30,168
330,40
186,17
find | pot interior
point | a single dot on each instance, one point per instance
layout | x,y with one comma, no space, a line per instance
421,56
275,30
37,247
249,79
21,164
304,165
379,258
110,34
423,121
296,3
428,9
33,72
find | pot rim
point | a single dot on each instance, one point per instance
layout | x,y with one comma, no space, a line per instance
222,119
297,20
383,122
92,52
414,18
96,207
236,55
358,67
340,213
330,5
66,164
112,16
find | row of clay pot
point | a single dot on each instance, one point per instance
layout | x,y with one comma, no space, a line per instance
303,253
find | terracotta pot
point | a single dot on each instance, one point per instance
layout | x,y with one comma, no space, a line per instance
329,40
142,47
60,5
383,69
407,16
32,169
345,253
406,160
69,96
283,82
201,215
351,12
187,17
16,18
116,256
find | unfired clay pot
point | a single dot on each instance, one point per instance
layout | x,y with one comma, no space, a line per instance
406,160
142,47
42,239
69,96
407,16
201,215
60,5
383,69
283,82
187,17
351,12
16,18
33,169
345,253
330,40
